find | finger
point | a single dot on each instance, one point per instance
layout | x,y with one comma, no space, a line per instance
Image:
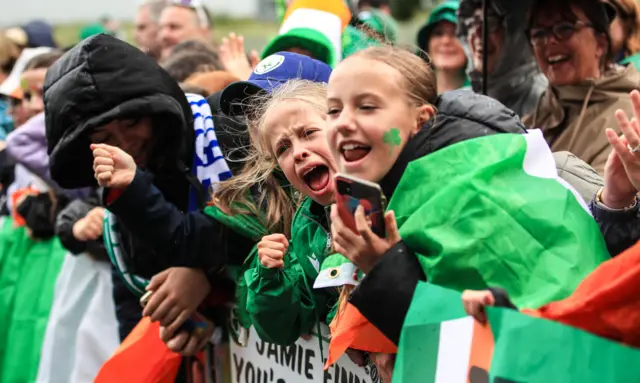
635,101
163,310
191,348
339,226
627,130
204,340
154,302
341,250
179,321
104,169
104,179
158,280
488,299
103,160
165,334
619,146
273,246
171,316
281,238
276,255
255,58
104,148
363,226
241,45
272,263
391,227
177,343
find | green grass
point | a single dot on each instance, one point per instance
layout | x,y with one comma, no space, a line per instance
256,33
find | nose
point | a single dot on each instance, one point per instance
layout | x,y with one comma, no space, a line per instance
36,104
300,152
345,123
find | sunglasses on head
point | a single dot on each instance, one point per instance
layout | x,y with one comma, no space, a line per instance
198,6
561,31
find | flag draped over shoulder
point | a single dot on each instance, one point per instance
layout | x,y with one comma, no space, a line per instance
440,344
492,212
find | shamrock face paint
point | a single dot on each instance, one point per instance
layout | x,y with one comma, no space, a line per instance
392,138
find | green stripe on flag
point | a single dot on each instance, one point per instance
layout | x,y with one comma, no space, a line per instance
492,212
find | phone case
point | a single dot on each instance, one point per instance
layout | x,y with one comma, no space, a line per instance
352,192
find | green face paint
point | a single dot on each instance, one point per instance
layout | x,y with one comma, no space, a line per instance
24,85
392,138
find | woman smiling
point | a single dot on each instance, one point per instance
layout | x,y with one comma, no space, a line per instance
571,43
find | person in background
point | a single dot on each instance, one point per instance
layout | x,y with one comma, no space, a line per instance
33,34
8,56
147,27
188,62
570,40
438,38
376,15
181,21
513,76
625,32
93,29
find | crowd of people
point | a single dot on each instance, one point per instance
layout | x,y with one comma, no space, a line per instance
178,182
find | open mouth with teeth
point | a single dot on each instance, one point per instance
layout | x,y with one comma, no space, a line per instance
557,59
352,152
317,178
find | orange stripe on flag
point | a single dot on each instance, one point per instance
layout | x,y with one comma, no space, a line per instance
336,7
606,302
482,345
141,358
350,329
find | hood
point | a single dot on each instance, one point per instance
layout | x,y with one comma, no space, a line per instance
609,87
516,81
39,34
102,79
462,115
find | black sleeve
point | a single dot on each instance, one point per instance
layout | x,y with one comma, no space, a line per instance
501,298
390,285
193,240
620,229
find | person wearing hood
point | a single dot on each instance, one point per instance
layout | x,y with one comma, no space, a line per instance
137,107
625,32
571,43
513,77
438,38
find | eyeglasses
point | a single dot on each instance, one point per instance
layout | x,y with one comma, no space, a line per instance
561,31
198,6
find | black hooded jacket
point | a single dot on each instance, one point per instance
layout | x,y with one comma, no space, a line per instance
103,79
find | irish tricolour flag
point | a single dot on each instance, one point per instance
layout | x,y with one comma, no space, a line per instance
439,344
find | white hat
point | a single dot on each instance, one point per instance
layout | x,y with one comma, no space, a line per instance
12,82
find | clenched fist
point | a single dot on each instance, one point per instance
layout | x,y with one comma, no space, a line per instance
89,228
271,250
113,167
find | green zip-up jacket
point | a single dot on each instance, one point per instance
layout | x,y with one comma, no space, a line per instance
281,303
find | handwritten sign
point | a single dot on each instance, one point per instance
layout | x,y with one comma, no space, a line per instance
263,362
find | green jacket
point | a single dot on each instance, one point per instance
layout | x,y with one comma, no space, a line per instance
281,303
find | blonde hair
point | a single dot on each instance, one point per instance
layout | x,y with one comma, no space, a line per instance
261,164
419,78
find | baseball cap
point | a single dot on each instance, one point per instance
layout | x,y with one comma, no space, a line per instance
270,73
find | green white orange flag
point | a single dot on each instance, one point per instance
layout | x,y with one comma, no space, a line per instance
492,212
439,344
315,26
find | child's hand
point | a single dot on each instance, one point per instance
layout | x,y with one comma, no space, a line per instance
271,250
113,167
474,302
187,344
90,227
365,248
234,59
177,293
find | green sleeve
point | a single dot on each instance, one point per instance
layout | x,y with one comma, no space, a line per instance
279,303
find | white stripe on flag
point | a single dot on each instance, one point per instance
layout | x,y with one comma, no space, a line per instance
539,162
454,350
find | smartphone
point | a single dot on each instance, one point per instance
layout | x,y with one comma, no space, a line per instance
351,192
